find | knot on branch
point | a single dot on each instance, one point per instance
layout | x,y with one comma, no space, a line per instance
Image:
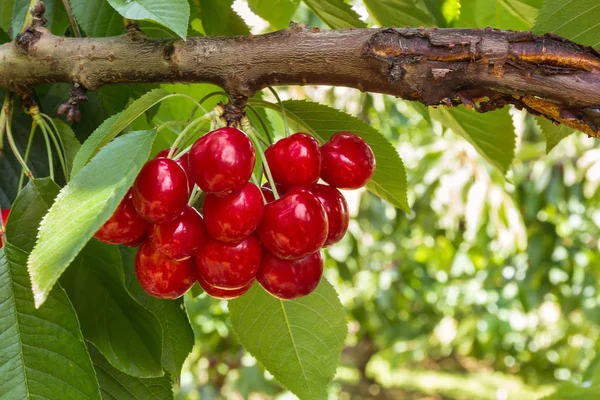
27,39
70,109
233,112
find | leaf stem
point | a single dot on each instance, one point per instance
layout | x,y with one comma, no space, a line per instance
286,128
247,127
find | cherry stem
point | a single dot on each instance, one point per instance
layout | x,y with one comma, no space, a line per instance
53,135
251,132
6,117
169,123
195,195
29,142
183,135
255,181
286,128
262,122
202,100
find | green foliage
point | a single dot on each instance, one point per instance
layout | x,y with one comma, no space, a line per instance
219,19
173,14
554,134
97,18
335,13
400,12
83,206
69,142
55,13
501,14
298,341
575,20
277,12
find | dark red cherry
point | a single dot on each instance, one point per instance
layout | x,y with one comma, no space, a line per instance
222,161
160,191
295,161
335,206
161,276
267,193
232,218
4,215
224,294
182,237
229,265
125,226
290,279
294,226
183,161
347,161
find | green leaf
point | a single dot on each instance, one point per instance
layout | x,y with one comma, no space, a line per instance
177,333
501,14
219,19
116,385
174,14
277,12
389,181
298,341
97,18
69,142
112,126
125,332
554,134
83,206
58,21
43,354
115,97
6,10
492,133
337,14
400,12
575,19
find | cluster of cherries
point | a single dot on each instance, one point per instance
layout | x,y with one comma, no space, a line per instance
247,233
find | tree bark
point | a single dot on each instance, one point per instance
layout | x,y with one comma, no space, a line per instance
481,68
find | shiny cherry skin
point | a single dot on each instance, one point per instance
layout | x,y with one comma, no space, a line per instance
294,226
229,265
182,237
347,161
224,294
232,218
222,161
336,207
125,226
183,161
290,279
161,276
295,161
4,215
160,191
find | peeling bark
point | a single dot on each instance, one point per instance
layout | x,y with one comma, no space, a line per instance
484,69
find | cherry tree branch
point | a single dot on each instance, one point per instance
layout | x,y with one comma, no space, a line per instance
483,69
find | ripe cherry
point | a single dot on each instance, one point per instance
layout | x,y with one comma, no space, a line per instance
348,161
224,294
294,226
290,279
229,265
161,276
295,161
183,161
125,226
232,218
160,191
4,215
182,237
222,161
336,208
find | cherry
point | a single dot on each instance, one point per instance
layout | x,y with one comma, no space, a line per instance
160,191
290,279
335,206
232,218
161,276
4,215
180,238
229,265
183,161
295,161
268,191
294,226
348,161
222,161
125,226
224,294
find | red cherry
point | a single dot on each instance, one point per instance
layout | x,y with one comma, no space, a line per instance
183,161
125,226
294,226
4,215
222,161
348,161
290,279
224,294
161,276
232,218
160,191
295,161
335,206
229,265
180,238
267,193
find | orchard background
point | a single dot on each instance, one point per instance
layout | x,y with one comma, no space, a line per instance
470,267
